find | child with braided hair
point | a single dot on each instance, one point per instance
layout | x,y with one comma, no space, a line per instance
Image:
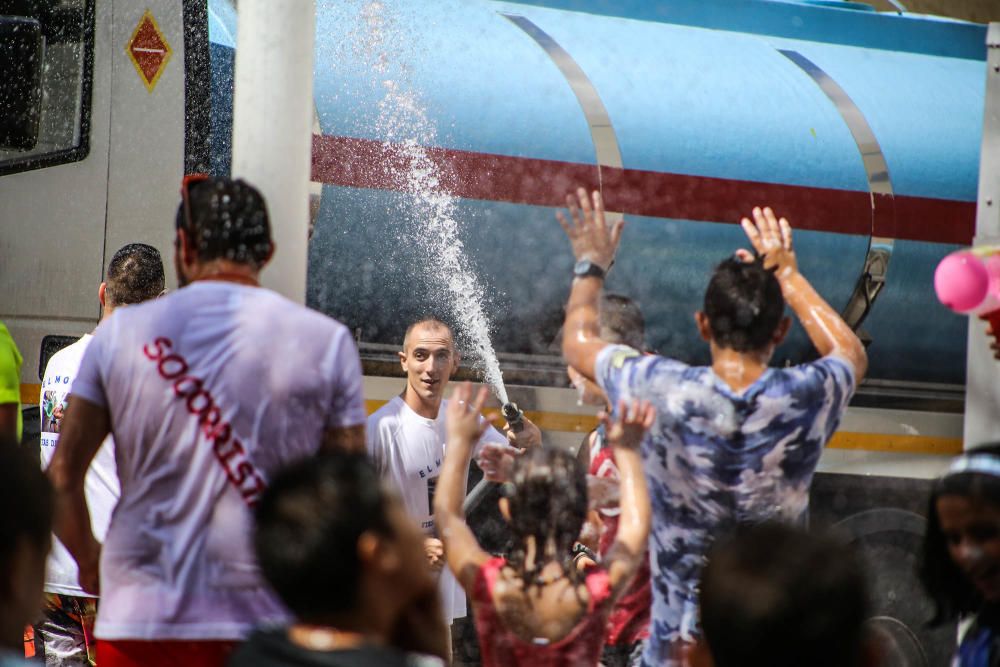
535,608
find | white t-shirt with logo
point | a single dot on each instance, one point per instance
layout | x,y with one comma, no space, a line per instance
210,390
101,483
409,450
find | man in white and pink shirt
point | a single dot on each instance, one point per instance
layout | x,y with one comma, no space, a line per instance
208,392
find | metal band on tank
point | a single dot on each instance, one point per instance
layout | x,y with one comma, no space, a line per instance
882,240
601,131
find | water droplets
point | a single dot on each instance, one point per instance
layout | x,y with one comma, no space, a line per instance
403,122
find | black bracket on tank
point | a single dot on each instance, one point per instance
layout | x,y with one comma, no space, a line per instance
866,290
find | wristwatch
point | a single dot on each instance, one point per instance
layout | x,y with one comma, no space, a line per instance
586,268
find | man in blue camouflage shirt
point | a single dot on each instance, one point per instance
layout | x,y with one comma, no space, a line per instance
734,442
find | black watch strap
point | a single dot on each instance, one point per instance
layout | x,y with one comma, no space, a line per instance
586,269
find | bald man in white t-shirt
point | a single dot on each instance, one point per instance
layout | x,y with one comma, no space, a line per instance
406,439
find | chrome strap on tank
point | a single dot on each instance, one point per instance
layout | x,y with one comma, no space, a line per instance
881,243
601,131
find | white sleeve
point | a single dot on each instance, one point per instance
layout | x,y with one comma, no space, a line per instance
347,405
89,381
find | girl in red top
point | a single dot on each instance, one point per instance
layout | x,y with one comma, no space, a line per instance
535,608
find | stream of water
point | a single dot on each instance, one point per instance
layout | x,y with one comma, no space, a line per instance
403,122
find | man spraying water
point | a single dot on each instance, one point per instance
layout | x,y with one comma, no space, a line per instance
406,440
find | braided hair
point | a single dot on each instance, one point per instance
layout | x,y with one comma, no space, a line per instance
228,221
548,502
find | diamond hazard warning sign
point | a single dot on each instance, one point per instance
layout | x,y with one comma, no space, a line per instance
148,50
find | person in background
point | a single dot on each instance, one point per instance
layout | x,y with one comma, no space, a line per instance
960,565
25,536
406,440
535,608
776,596
10,387
134,275
736,441
336,545
622,323
208,391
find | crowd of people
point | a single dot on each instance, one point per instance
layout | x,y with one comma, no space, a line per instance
219,495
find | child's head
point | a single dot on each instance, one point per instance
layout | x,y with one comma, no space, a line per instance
961,560
331,539
776,595
546,505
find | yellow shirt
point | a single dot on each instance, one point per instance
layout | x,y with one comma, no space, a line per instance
10,374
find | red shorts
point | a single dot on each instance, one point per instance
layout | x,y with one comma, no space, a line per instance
167,653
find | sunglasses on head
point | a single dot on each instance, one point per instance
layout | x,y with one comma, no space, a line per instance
186,183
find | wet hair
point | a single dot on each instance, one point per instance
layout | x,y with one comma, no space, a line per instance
952,592
776,595
621,321
228,221
308,523
743,304
434,323
30,518
135,274
547,493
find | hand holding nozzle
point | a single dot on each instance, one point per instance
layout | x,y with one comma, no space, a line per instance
522,433
497,460
514,416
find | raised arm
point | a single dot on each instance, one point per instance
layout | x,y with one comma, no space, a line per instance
594,240
772,239
625,434
83,430
462,551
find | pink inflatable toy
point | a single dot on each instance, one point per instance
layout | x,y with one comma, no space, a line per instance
962,282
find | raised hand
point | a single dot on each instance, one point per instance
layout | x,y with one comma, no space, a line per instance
588,231
463,421
772,239
627,429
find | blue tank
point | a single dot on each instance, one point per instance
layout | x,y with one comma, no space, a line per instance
863,128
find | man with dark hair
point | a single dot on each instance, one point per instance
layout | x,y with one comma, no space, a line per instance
337,546
778,596
25,534
735,441
134,275
208,391
406,438
621,321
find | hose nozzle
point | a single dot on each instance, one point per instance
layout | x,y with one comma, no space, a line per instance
514,417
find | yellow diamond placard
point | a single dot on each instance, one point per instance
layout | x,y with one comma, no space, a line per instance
149,51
